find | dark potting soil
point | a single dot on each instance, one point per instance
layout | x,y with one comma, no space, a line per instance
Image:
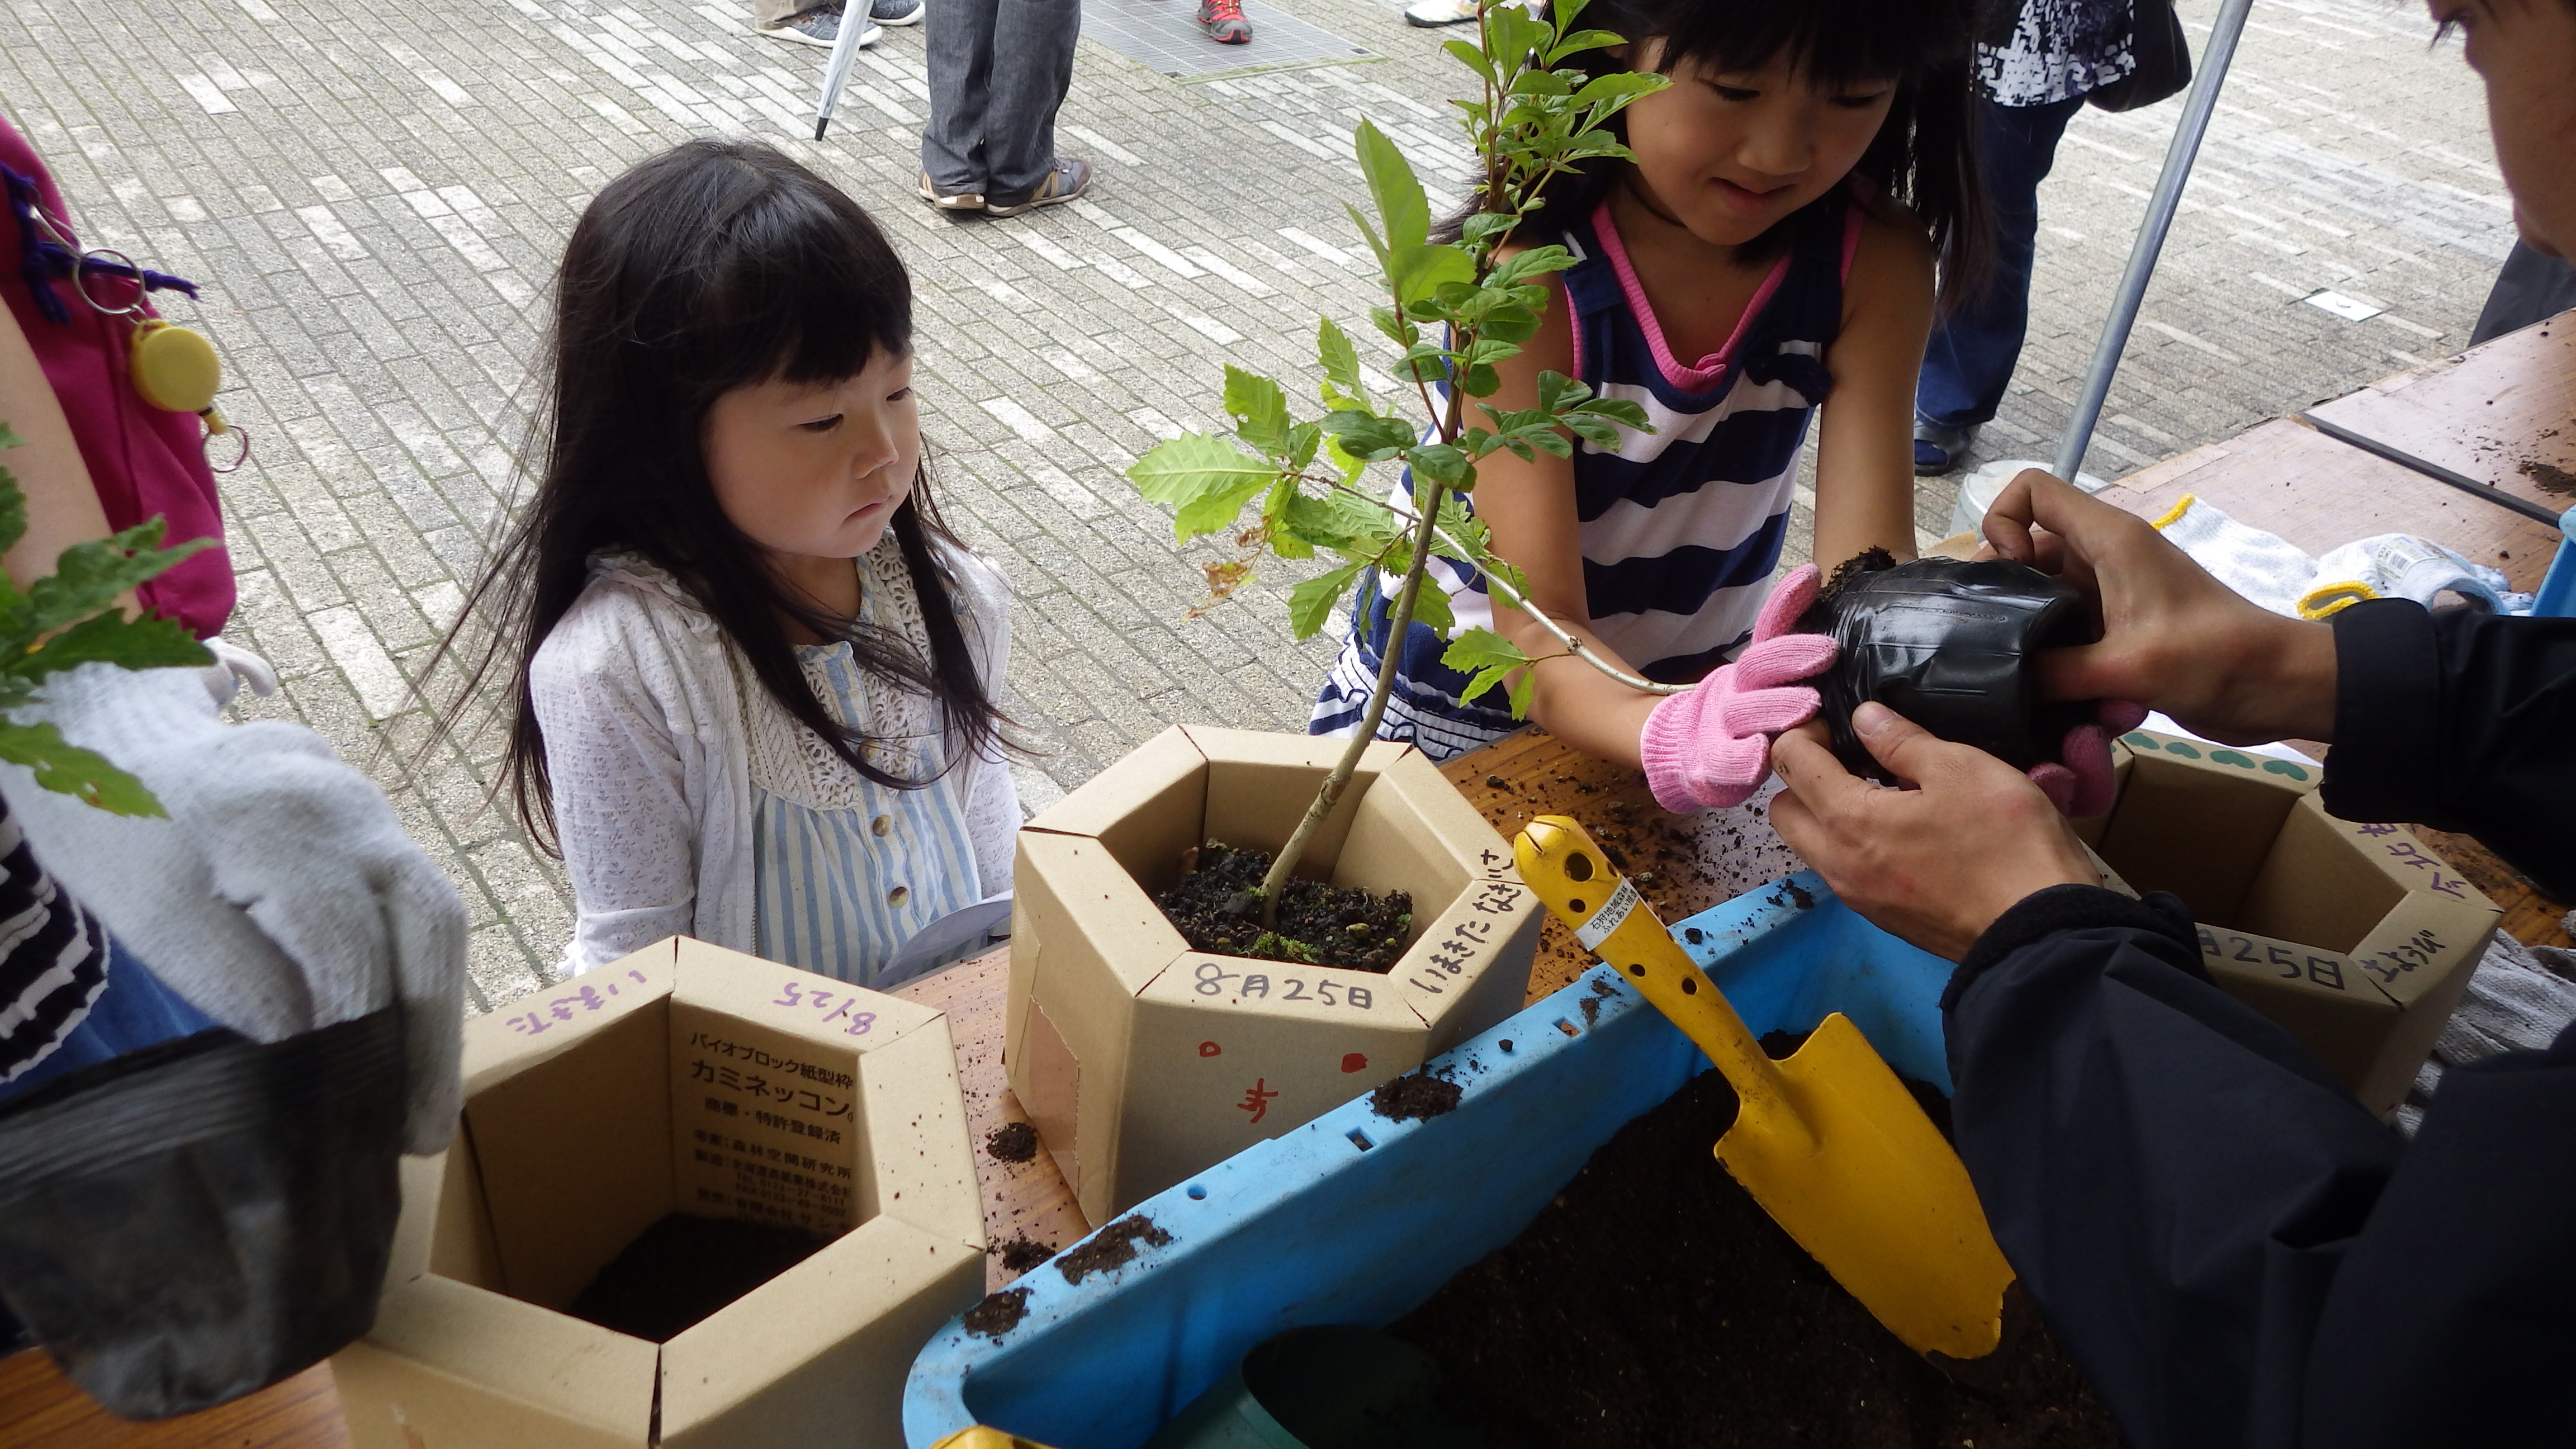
998,1313
1022,1253
1654,1304
2550,477
1415,1096
1113,1246
684,1268
1817,620
1012,1142
1216,907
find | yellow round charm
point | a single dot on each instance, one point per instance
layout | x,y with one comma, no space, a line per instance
174,368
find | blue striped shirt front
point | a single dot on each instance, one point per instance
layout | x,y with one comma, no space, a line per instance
843,883
1681,527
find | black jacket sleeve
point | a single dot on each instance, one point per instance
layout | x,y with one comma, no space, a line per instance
2235,1252
2461,721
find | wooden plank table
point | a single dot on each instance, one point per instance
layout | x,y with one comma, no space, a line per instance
2503,413
2317,493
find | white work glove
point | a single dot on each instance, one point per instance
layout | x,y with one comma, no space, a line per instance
234,667
280,895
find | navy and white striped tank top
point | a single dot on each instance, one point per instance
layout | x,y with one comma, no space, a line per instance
1681,527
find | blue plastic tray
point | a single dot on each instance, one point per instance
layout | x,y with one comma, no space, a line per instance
1356,1219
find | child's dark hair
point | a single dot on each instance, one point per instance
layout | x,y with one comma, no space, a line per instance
711,266
1925,155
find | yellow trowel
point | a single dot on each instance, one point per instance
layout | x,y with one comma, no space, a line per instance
1828,1141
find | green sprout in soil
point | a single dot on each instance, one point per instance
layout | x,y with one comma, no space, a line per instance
72,618
1455,309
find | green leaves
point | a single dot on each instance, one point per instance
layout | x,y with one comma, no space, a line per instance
1489,658
71,618
1414,266
13,507
1341,363
1205,481
68,769
1310,603
1259,407
111,638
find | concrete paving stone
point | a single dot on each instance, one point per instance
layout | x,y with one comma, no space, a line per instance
417,330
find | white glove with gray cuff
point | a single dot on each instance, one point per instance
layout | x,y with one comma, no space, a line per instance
280,895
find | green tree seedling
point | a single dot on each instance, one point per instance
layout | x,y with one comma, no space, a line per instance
71,618
1454,310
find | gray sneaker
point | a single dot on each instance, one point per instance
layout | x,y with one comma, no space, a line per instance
821,26
897,12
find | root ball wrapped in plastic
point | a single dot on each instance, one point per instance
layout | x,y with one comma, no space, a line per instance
1951,645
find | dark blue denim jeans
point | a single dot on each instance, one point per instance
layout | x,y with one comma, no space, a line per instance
1971,356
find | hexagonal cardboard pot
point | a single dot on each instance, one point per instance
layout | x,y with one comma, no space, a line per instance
2356,938
1143,1061
683,1077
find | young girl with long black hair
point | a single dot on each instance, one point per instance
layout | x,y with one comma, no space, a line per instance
754,674
1771,250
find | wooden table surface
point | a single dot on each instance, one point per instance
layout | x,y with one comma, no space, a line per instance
2315,492
2503,414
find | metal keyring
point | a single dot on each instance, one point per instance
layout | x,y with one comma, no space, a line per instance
240,458
132,271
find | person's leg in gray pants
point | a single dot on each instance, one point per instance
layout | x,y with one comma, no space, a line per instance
998,71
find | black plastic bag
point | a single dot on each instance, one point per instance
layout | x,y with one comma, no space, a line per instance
189,1223
1952,646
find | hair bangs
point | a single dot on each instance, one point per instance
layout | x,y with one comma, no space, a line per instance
800,287
1833,43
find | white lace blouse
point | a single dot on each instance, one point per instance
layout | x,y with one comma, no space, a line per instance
660,745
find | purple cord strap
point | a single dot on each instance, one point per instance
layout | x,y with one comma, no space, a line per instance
45,261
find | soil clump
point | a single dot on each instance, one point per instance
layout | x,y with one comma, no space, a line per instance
1012,1142
998,1313
2550,477
1112,1247
1216,906
1022,1253
1414,1097
1654,1303
684,1268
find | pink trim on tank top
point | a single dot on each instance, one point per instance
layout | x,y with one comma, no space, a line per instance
1712,367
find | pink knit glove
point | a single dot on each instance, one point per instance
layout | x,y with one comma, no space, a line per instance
2082,787
1711,747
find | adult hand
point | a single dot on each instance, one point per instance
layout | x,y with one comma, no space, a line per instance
2173,638
279,895
1710,747
1935,863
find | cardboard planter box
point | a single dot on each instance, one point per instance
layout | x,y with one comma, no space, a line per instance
2355,937
1142,1061
681,1078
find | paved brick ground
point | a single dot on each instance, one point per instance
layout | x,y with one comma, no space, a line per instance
375,197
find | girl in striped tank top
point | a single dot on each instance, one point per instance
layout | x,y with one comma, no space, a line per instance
1771,247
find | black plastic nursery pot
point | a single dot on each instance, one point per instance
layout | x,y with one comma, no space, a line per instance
1953,646
186,1224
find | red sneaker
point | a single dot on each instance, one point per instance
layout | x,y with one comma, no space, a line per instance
1223,20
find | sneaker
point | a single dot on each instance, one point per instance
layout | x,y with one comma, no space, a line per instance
897,12
818,27
1069,179
1428,13
1223,21
949,200
1939,450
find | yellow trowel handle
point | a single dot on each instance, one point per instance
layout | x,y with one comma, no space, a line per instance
984,1436
1559,861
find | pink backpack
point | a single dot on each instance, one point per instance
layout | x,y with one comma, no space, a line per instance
142,459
